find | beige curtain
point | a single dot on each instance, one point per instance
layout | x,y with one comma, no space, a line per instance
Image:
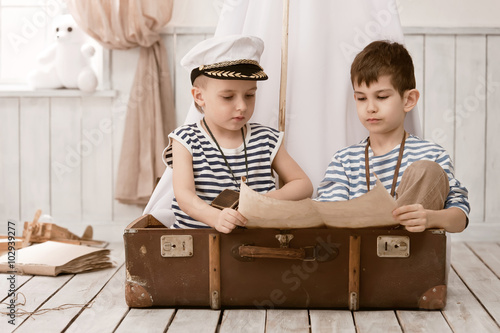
124,24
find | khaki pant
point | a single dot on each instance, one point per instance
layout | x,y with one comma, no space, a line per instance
425,183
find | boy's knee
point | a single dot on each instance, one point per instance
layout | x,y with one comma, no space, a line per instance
424,182
428,172
426,168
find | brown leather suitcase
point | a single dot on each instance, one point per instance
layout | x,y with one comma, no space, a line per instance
300,268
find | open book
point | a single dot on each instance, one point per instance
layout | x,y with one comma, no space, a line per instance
52,258
373,209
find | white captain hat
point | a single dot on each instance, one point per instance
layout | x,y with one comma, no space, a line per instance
234,57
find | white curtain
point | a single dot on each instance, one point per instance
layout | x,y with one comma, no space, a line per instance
125,24
324,38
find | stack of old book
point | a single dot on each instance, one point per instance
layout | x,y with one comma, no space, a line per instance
48,249
53,258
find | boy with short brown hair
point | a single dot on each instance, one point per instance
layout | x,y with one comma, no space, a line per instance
419,174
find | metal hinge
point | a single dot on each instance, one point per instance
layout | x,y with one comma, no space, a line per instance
176,246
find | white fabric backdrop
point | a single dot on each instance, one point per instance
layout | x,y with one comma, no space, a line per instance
324,38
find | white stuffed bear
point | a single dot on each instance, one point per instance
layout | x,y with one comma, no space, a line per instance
65,63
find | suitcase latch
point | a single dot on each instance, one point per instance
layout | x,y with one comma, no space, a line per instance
284,240
176,246
393,246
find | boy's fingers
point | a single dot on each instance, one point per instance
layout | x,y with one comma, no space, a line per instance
239,219
225,230
236,218
407,216
242,218
418,228
400,210
410,222
405,209
221,227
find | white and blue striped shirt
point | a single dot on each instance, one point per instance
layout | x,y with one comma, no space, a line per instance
211,174
345,177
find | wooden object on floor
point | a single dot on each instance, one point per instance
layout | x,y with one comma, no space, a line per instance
30,228
39,232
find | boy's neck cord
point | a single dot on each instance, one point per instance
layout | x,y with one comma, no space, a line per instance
224,156
396,172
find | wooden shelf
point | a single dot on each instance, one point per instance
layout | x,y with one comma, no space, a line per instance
25,91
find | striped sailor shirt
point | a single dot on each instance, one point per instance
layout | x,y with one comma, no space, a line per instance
345,177
212,176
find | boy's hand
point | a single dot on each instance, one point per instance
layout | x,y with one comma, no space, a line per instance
228,219
413,217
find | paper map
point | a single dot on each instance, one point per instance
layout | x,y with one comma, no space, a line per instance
373,209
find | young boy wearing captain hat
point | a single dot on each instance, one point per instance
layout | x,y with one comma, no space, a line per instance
214,154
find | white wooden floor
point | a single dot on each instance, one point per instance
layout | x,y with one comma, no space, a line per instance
94,302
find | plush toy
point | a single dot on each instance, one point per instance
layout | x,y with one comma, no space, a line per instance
65,63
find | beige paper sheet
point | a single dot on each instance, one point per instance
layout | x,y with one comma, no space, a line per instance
373,209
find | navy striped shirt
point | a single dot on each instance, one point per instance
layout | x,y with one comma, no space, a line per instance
212,176
345,177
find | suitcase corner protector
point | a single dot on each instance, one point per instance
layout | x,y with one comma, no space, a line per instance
433,299
137,296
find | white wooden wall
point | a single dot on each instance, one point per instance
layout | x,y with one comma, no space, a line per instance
59,155
458,73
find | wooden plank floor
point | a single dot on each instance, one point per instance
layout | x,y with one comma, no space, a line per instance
94,302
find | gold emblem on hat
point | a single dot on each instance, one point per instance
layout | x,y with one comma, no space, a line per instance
232,74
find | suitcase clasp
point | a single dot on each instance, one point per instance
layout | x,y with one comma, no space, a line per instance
284,240
176,246
393,246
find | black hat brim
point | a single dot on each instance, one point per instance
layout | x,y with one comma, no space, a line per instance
249,72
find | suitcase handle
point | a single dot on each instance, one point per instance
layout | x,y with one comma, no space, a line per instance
307,253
